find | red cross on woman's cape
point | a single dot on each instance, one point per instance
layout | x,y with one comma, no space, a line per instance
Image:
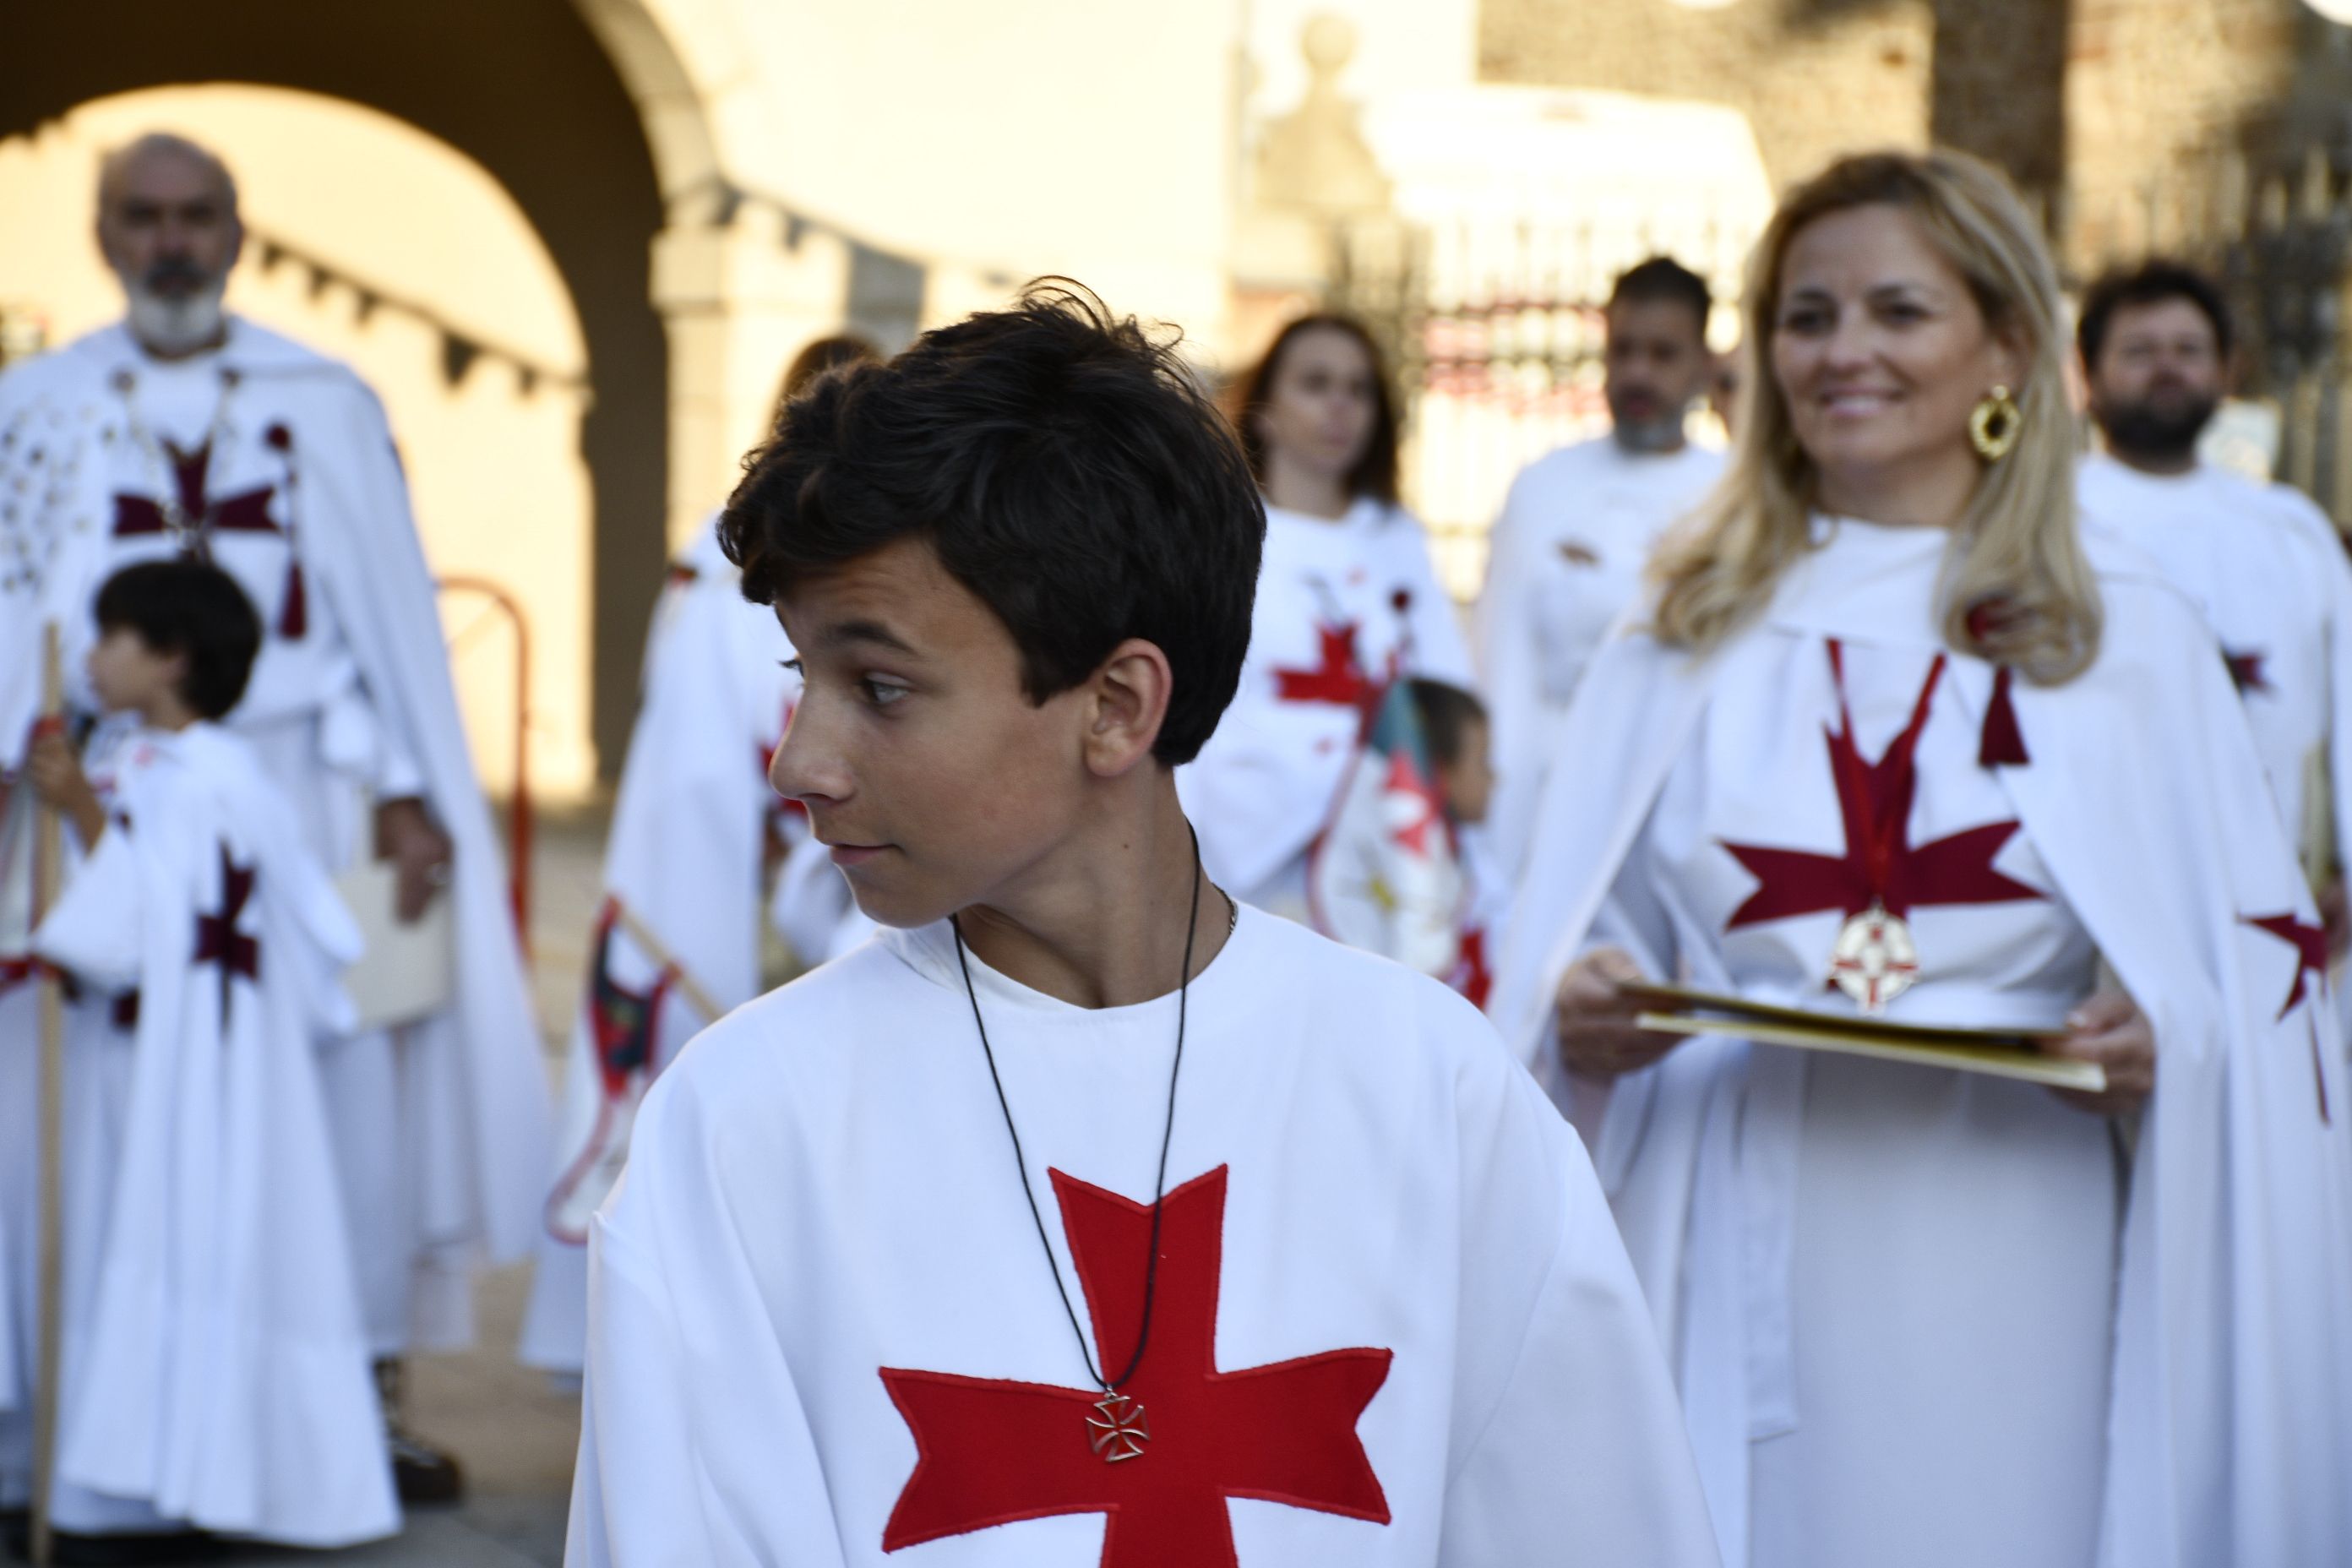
992,1452
1880,864
217,938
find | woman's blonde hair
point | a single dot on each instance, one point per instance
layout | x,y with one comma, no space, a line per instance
2017,588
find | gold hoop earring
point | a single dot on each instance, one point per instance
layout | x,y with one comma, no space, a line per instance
1995,423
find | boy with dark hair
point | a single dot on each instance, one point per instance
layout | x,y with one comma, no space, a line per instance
1084,1217
219,1382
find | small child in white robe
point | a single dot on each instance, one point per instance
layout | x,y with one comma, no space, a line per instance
1084,1217
215,1375
1460,735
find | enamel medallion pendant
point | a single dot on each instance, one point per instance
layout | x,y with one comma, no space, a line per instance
1874,960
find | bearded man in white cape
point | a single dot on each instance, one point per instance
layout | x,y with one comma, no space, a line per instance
2262,560
1922,1315
187,431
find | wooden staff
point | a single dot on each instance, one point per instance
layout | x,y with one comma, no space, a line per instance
48,851
695,996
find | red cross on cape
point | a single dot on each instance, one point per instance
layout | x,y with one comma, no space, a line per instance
1879,864
217,938
1337,679
2246,672
2310,944
246,511
992,1452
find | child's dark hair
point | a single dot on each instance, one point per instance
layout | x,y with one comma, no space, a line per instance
1375,473
2151,282
188,607
1067,469
1446,712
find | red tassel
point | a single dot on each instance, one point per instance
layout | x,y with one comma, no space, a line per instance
293,615
2002,743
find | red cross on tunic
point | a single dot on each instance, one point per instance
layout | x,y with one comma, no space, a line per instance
1880,864
1338,679
2246,673
2310,944
217,938
990,1452
247,511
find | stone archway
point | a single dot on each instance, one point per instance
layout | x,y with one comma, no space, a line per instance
577,110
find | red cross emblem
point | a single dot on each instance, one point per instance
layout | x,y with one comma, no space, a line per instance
2310,944
1880,864
2246,673
1339,678
1182,1436
217,938
246,511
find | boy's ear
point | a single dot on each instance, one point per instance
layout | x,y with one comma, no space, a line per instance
1127,701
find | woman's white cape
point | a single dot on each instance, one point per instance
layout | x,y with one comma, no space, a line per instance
2230,1426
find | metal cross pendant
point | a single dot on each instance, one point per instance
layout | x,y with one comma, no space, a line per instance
1117,1430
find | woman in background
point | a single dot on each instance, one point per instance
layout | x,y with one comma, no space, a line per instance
1346,600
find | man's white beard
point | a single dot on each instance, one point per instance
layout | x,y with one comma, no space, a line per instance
174,326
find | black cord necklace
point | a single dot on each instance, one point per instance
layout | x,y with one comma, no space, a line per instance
1116,1429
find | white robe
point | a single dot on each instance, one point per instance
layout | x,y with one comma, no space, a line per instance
215,1372
1906,1320
2268,570
822,1228
1564,561
442,1138
1342,606
685,859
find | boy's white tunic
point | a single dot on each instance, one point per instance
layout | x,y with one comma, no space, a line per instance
215,1371
1342,606
684,859
442,1143
1918,1316
2268,570
1393,1323
1564,561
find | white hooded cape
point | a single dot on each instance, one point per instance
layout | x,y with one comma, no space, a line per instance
2230,1423
480,1150
215,1372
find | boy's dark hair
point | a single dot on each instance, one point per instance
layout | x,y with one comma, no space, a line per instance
2157,279
188,607
1067,470
1375,473
1663,278
1446,712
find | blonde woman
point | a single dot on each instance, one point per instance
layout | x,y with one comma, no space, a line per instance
1898,737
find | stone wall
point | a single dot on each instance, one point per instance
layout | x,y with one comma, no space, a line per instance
1815,77
2108,100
